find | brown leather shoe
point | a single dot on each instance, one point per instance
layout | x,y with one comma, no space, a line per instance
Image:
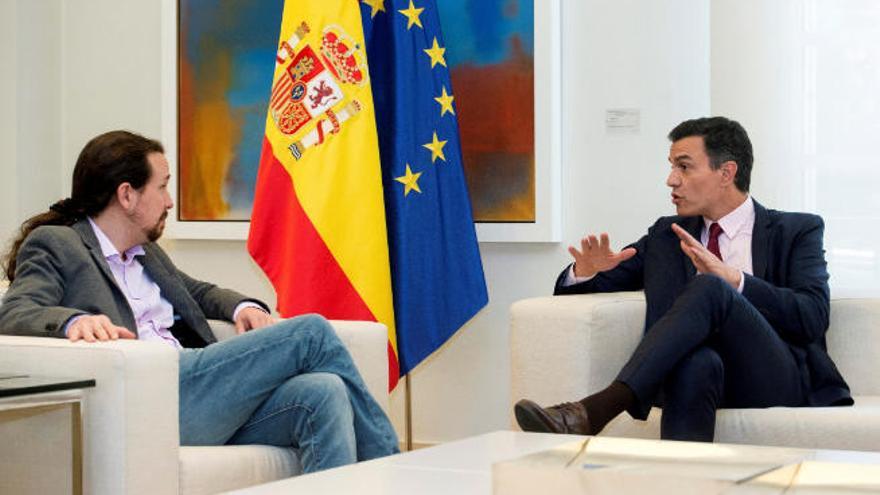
568,417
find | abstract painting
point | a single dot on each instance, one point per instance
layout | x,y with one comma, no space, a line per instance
226,54
490,51
504,60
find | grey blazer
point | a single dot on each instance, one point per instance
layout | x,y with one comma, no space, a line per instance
61,272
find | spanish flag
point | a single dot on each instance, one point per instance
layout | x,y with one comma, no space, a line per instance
318,224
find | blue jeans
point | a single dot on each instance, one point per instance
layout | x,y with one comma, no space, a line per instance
292,384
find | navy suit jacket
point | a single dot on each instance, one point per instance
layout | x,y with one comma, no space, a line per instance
789,286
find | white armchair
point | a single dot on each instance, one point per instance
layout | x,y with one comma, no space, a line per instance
130,418
566,347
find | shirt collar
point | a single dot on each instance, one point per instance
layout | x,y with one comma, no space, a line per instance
109,250
741,219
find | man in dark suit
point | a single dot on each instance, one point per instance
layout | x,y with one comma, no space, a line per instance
737,301
89,269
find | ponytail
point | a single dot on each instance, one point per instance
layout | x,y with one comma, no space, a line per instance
64,212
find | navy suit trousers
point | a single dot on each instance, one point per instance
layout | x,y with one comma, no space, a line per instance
712,349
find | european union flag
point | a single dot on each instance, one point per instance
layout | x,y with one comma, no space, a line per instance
436,272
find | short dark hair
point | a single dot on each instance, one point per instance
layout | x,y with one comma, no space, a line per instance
105,162
725,140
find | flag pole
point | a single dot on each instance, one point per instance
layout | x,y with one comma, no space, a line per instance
407,394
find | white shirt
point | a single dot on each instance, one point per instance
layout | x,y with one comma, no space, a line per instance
734,243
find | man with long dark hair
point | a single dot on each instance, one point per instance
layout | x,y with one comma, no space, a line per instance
737,301
89,269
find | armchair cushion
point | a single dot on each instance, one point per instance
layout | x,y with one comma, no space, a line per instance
217,469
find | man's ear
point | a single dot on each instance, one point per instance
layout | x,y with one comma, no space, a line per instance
126,196
728,171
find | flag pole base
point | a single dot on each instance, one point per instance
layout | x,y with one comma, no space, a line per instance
407,397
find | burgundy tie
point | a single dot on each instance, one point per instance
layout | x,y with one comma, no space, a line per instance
714,231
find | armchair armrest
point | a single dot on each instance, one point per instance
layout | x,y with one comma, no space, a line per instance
565,347
366,341
130,424
853,340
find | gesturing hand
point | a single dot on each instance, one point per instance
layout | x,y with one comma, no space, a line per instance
596,256
97,327
704,261
251,319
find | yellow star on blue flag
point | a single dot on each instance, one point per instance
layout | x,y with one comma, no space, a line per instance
436,147
436,53
376,6
412,15
410,181
445,100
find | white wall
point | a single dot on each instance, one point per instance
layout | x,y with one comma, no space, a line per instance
30,101
754,76
653,56
39,126
8,117
110,70
802,76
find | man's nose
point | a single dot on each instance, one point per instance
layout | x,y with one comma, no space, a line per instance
673,180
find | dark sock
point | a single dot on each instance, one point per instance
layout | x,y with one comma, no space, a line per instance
605,405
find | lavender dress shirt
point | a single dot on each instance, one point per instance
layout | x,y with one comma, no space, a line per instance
153,314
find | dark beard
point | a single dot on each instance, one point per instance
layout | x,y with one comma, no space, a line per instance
155,233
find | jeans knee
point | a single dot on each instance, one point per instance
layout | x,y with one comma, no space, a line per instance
311,321
316,324
326,386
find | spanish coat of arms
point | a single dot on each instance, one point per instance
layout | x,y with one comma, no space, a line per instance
308,100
